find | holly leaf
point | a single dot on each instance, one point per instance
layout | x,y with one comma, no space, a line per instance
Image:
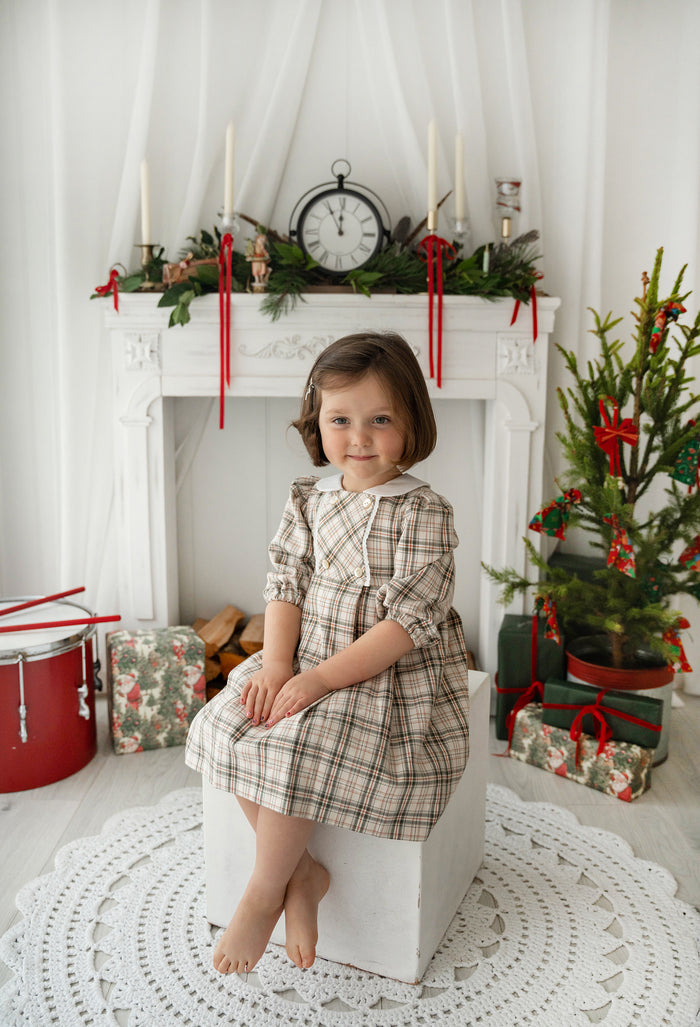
208,275
362,281
132,282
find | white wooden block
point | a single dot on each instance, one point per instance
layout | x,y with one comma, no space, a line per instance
390,902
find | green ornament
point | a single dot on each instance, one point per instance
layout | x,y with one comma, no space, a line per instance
685,468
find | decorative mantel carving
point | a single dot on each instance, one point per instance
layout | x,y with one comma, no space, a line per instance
483,358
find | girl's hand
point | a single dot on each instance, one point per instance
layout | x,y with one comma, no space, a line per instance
298,693
259,693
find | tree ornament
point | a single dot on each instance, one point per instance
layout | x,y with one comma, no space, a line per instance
672,638
613,432
687,465
668,313
621,554
547,605
552,519
690,557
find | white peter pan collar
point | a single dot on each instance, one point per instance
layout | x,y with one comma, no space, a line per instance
396,487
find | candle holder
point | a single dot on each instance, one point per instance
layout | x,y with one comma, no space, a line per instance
431,222
507,208
461,231
147,256
230,223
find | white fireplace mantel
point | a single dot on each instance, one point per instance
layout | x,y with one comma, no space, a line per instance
484,357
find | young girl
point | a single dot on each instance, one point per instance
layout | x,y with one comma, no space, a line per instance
355,713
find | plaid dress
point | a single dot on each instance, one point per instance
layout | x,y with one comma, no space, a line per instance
383,756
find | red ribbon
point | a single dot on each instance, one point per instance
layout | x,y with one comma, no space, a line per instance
613,433
602,730
535,693
672,638
434,247
225,257
111,286
533,301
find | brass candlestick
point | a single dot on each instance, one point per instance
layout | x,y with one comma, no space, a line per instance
147,254
432,221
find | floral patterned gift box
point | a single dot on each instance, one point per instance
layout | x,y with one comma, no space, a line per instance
620,769
155,685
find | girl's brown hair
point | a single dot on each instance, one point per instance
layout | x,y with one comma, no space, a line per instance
349,359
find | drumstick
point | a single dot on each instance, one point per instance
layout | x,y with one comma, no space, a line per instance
57,623
38,602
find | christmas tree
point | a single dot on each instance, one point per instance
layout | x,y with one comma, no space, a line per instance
631,445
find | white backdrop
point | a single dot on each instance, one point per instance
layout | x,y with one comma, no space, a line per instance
594,103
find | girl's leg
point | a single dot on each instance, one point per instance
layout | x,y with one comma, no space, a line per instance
307,886
280,844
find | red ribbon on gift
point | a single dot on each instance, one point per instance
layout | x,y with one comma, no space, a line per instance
111,286
602,730
535,693
433,247
533,303
225,258
613,432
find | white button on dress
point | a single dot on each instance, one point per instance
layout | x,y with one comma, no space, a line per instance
359,572
367,501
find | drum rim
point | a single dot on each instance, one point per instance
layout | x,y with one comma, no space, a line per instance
56,648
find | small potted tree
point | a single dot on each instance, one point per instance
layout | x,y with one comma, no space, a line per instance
631,442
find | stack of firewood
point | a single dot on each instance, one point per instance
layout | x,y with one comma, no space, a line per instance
229,638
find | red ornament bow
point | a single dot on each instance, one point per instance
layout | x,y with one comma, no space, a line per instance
613,432
552,519
433,247
533,303
549,608
672,638
621,553
111,286
670,311
225,257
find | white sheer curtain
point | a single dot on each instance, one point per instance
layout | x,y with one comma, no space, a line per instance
595,105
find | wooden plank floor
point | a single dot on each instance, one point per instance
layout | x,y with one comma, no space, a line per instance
662,826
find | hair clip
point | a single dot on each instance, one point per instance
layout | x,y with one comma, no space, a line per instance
310,389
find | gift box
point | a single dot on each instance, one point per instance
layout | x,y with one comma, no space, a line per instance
616,768
155,685
514,663
629,717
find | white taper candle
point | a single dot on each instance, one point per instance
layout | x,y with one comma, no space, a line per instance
145,204
459,177
228,173
432,166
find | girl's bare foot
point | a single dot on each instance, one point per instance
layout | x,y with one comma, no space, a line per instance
308,884
246,937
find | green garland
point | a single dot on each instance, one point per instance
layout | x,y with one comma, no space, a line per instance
396,268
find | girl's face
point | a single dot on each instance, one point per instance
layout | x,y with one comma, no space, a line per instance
360,433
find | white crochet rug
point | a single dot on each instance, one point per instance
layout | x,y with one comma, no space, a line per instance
563,926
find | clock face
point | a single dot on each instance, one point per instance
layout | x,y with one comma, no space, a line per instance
340,229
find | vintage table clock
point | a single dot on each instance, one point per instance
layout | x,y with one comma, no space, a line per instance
340,227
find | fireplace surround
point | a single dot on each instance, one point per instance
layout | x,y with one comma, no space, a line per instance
484,358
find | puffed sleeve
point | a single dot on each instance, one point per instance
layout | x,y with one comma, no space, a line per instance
419,595
291,550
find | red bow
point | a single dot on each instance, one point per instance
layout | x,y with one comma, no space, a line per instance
621,553
224,319
603,731
111,286
434,246
613,433
533,301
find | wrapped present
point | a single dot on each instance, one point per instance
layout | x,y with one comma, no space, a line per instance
514,663
619,769
155,685
628,716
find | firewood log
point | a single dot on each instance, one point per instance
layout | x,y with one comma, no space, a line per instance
251,639
219,629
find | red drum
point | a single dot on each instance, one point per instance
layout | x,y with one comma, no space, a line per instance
47,696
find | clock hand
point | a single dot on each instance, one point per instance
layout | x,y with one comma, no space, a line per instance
335,220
